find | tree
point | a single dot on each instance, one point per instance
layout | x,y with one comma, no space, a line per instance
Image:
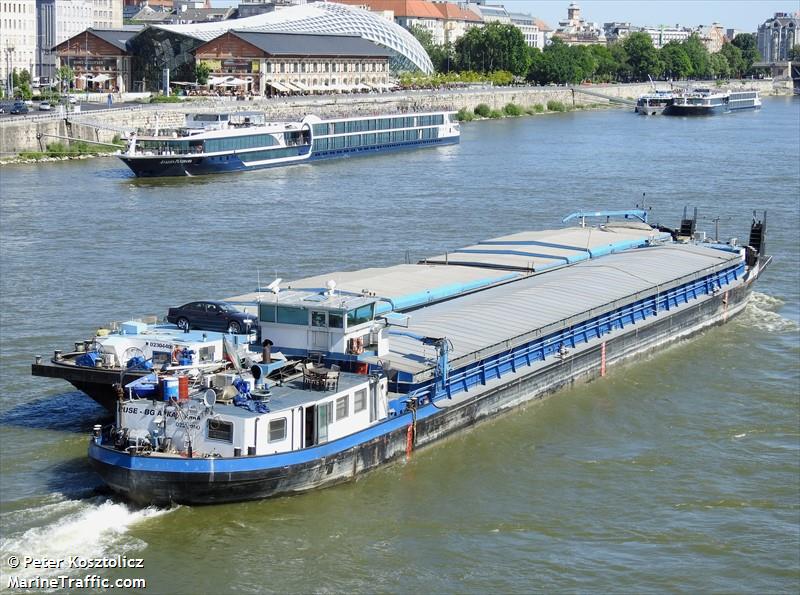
698,56
677,64
735,59
201,72
560,64
493,47
747,43
606,67
441,55
642,56
720,66
794,52
621,59
66,75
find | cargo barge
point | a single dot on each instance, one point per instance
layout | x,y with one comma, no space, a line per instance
424,374
114,356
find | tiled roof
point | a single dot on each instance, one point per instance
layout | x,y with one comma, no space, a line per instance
417,9
293,44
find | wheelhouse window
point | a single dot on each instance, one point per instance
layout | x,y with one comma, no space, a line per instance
342,407
277,430
360,315
219,430
335,319
282,314
318,319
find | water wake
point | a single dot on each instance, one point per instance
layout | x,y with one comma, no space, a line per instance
762,313
64,528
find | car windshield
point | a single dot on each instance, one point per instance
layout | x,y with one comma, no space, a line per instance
227,308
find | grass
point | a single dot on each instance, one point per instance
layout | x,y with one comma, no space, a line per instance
512,109
495,114
555,106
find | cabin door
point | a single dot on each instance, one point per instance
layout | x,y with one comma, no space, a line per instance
309,426
373,401
324,414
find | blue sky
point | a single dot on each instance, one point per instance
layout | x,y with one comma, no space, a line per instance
745,15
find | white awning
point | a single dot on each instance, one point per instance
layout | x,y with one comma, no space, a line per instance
100,78
300,86
279,87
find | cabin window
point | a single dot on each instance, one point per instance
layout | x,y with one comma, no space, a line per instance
292,315
360,315
205,354
318,319
342,409
161,357
277,430
360,400
335,319
220,430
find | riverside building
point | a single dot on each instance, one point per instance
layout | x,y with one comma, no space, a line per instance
275,63
777,35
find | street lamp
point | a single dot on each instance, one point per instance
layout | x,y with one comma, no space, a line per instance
10,77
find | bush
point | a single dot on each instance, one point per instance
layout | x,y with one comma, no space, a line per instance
495,113
512,109
165,99
31,155
482,110
556,106
464,115
538,108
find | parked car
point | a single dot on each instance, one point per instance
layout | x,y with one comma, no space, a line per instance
72,99
212,316
19,108
45,106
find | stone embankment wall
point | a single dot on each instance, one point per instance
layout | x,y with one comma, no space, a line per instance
22,134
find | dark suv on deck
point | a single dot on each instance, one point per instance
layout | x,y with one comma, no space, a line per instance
212,316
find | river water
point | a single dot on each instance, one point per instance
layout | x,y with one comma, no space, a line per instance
680,472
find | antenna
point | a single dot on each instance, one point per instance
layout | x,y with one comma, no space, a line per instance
258,283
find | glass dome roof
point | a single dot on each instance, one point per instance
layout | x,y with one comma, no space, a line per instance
325,18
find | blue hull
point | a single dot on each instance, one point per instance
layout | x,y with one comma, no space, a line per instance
672,110
172,166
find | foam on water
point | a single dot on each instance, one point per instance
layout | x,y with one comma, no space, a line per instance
86,528
762,313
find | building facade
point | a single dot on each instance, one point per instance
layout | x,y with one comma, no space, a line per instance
58,20
577,31
777,35
107,14
445,21
18,37
99,59
272,63
661,36
712,36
